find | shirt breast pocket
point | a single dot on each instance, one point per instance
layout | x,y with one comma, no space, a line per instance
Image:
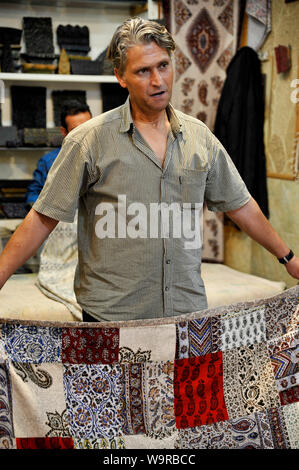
193,185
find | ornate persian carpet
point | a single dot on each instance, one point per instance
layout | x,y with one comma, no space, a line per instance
225,378
206,36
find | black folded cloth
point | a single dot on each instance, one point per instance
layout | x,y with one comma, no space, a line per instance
9,37
38,36
35,137
60,97
9,137
14,210
73,38
106,67
85,67
28,106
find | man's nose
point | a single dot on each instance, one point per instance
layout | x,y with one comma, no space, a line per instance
156,79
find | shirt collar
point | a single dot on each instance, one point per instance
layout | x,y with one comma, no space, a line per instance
127,120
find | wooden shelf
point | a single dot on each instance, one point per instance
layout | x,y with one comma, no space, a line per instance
79,3
26,149
48,77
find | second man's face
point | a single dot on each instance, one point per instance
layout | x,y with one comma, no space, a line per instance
148,76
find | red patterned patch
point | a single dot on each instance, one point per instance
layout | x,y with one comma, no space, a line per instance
198,391
289,396
44,443
90,345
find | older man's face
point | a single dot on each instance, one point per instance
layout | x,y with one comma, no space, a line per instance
148,76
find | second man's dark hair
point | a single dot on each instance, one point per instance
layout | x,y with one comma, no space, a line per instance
71,108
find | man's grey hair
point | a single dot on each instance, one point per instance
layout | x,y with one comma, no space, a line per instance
135,31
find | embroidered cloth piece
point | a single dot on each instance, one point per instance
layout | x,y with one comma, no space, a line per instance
220,378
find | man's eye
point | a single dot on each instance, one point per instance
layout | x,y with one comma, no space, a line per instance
142,71
164,65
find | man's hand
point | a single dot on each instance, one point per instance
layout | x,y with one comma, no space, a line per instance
293,267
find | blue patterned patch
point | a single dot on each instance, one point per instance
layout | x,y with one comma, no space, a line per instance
95,401
32,343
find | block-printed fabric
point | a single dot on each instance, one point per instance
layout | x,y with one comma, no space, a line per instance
223,378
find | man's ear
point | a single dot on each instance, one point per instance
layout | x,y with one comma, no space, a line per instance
63,131
120,78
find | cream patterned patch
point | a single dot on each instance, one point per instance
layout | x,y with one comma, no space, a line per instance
243,330
154,344
159,400
249,384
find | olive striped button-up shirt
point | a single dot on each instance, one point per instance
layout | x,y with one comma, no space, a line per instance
132,261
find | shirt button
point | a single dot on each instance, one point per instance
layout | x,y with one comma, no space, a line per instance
168,261
167,288
163,177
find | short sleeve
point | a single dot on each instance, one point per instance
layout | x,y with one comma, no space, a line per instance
225,189
68,179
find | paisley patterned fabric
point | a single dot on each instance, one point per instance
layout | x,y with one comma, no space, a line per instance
223,378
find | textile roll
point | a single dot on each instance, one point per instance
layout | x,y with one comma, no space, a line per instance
219,378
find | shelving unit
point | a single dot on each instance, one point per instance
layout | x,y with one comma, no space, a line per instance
102,17
56,78
26,149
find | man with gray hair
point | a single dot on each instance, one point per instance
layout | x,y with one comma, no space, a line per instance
142,153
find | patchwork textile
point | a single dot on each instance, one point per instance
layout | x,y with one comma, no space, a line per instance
223,378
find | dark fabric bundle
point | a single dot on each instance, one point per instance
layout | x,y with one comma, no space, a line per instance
14,210
106,67
239,122
35,137
54,137
28,106
85,67
74,39
9,37
113,95
9,136
38,36
59,97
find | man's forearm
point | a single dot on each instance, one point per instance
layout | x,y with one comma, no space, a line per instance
25,241
252,221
